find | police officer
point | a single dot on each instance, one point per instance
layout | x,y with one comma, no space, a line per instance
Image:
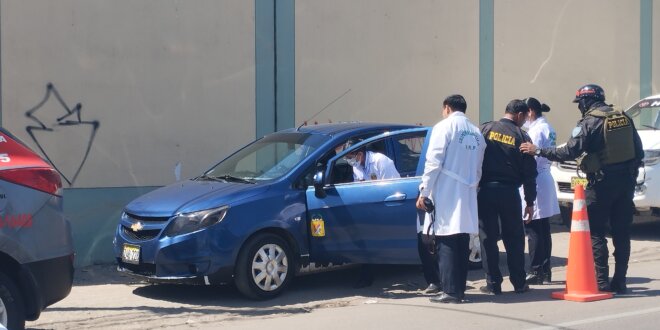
505,168
609,151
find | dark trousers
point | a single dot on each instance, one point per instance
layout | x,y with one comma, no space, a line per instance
501,207
610,206
539,241
453,253
429,262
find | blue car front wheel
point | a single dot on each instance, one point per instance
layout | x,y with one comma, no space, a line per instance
264,267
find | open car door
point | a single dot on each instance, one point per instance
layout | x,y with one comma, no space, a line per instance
369,221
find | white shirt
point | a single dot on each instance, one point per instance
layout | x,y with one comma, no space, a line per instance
451,175
376,167
546,204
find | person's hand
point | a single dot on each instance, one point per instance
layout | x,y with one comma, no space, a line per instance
529,211
528,148
420,203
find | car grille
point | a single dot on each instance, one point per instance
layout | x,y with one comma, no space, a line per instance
141,269
140,235
147,219
568,165
565,187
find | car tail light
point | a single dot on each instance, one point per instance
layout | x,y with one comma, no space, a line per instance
39,178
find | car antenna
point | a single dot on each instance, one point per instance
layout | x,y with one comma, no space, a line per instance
328,105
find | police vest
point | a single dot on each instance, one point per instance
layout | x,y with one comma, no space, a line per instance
619,142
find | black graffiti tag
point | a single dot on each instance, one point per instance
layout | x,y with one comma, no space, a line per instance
70,117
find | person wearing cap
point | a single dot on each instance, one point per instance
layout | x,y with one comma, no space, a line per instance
451,174
505,169
608,149
539,238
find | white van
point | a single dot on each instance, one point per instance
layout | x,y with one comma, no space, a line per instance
646,116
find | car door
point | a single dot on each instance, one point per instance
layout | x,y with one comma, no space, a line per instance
370,221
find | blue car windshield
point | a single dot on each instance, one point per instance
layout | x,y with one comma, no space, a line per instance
266,159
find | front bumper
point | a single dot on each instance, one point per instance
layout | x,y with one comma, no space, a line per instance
203,257
647,192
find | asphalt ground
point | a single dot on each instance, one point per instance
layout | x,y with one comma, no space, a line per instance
102,299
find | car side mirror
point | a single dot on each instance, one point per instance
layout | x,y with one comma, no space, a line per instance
318,185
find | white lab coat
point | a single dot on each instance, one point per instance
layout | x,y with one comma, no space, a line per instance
546,204
376,167
451,175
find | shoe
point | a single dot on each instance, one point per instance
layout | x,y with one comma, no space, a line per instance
618,287
432,288
491,290
547,277
534,277
524,289
604,288
445,299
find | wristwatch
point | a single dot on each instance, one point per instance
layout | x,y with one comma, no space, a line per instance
537,152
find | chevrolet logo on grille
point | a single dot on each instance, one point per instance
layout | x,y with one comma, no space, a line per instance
137,226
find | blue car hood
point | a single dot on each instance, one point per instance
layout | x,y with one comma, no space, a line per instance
190,196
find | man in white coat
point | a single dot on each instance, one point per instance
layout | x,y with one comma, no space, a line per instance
451,175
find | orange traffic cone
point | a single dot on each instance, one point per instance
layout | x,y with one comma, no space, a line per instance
580,273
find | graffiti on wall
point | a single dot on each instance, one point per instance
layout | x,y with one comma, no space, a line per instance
68,117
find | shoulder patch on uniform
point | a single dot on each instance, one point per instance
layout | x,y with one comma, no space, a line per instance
576,131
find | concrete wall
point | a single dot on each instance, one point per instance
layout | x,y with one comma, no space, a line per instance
396,61
547,49
168,82
389,61
655,46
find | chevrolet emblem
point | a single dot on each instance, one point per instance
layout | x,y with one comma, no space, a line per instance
137,226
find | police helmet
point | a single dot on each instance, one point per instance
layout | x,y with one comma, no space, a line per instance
590,91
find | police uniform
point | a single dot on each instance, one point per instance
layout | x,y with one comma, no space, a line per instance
505,168
610,190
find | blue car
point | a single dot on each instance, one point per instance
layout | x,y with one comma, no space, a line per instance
275,206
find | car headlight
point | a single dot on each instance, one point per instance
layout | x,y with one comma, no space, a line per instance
189,222
651,157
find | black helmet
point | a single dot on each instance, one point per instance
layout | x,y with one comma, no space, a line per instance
590,91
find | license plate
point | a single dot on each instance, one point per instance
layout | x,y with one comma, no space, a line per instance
131,254
577,180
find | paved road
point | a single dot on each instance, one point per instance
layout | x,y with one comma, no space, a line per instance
102,299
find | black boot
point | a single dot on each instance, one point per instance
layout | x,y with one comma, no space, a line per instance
602,278
618,283
534,277
547,277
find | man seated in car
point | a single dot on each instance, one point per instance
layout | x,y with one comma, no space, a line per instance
370,165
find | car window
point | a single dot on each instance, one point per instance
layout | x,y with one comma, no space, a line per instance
343,173
268,158
372,162
407,152
646,115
